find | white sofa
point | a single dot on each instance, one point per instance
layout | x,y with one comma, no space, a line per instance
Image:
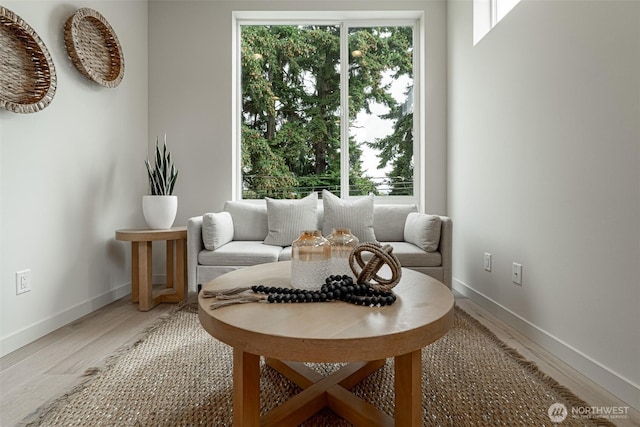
239,231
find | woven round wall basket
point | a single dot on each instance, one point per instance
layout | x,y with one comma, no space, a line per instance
27,74
94,47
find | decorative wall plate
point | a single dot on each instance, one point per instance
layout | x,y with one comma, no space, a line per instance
27,74
94,47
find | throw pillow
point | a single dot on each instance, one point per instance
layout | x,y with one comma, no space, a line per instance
423,230
217,230
286,219
355,215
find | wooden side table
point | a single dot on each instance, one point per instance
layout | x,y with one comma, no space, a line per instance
141,271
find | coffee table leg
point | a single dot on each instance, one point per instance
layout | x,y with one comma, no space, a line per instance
246,389
408,387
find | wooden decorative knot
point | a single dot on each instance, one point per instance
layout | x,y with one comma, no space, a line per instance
367,272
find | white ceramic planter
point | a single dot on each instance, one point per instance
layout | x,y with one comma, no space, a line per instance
159,211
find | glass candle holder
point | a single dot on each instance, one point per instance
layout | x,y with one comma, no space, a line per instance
310,257
342,244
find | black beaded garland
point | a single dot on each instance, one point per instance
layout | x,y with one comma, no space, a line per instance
335,288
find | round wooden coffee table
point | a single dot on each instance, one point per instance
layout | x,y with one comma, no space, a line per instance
289,334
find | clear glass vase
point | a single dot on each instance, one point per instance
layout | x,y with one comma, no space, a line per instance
310,257
342,244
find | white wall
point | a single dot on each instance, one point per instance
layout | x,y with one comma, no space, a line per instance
71,175
544,170
190,95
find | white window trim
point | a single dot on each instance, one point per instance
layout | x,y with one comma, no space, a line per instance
487,14
348,19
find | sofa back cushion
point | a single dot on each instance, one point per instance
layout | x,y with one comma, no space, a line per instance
320,213
249,220
389,221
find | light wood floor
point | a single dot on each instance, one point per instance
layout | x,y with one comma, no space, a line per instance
46,368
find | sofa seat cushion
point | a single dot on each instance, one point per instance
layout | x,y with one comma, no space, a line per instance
410,255
242,252
285,255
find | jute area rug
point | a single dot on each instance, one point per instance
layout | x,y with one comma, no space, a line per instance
178,375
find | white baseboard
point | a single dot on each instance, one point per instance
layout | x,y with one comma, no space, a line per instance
31,333
159,279
615,383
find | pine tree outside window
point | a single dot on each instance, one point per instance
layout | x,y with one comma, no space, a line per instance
328,105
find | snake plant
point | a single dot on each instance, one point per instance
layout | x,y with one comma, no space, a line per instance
162,176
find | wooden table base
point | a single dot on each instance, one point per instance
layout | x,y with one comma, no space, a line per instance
142,291
330,391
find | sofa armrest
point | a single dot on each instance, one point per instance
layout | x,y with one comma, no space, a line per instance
445,248
194,246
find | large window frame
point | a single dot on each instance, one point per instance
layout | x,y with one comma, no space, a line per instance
346,20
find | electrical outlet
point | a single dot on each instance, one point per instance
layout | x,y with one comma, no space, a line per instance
23,281
487,261
516,273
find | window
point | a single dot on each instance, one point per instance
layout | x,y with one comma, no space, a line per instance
487,13
326,104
